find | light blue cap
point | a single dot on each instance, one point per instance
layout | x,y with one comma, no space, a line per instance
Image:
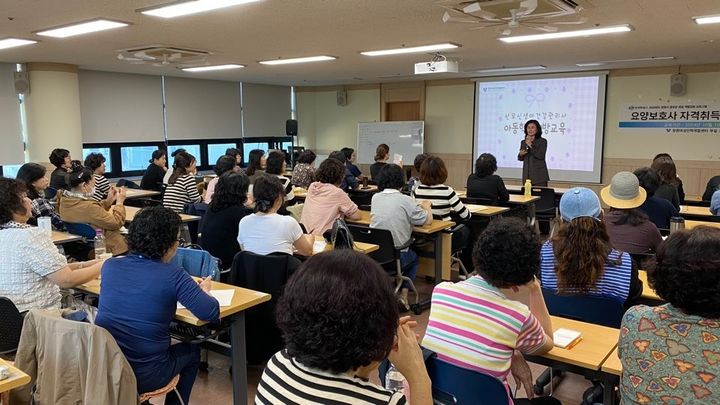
579,202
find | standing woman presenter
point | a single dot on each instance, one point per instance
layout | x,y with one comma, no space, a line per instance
532,154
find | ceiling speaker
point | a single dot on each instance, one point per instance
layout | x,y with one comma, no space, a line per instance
678,84
22,82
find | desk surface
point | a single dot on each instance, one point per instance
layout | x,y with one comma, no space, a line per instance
486,210
558,190
435,225
242,300
59,238
689,224
514,198
17,378
137,193
695,210
596,344
647,292
361,247
612,364
130,213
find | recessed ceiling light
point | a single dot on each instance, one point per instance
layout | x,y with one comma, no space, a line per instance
707,19
84,27
569,34
511,69
607,62
297,60
13,42
185,7
413,49
211,68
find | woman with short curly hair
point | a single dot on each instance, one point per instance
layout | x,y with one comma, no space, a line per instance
335,340
140,292
676,344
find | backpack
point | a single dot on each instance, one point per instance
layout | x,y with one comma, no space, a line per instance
340,236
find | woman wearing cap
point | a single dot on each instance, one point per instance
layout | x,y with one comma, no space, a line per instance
532,154
581,259
629,228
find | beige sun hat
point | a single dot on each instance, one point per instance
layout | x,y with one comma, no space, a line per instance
624,192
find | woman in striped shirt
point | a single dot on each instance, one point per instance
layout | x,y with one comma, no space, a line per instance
182,188
96,163
581,259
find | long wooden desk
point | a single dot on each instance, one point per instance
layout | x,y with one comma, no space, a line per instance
691,211
59,238
361,247
17,378
515,199
234,313
130,213
486,210
690,224
647,291
138,193
559,191
301,193
612,364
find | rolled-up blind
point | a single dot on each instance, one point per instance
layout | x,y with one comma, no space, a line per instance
265,109
12,151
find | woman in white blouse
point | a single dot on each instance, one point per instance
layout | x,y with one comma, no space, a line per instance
33,271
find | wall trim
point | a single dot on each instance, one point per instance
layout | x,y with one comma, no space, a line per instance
51,67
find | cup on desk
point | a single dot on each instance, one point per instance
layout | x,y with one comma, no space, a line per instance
365,181
45,224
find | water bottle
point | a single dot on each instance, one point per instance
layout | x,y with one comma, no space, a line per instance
394,380
676,224
528,188
99,243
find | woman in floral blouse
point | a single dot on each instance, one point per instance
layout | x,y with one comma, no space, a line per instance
304,172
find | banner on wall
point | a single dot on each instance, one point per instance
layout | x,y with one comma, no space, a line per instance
690,118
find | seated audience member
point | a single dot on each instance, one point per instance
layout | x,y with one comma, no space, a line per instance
153,177
677,181
325,201
169,172
670,183
382,154
658,210
506,258
276,166
399,213
256,164
670,353
223,165
712,186
220,223
96,163
349,182
335,341
413,181
77,206
266,231
182,188
140,293
304,170
580,259
484,183
715,203
34,178
629,229
350,157
60,158
33,271
235,154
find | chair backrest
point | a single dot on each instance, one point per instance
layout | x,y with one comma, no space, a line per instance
642,260
361,197
455,385
84,230
606,311
382,237
197,262
127,183
195,227
481,201
50,193
546,202
11,323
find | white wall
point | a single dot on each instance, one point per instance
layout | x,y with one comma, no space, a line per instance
449,118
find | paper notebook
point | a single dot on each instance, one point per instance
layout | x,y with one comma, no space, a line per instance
224,297
397,158
566,337
319,246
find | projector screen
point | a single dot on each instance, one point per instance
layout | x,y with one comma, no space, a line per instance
570,109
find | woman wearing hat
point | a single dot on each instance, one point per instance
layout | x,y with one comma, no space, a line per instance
629,228
580,259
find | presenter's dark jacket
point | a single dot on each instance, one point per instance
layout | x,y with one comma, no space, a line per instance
534,166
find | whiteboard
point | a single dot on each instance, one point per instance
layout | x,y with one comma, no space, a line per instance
405,138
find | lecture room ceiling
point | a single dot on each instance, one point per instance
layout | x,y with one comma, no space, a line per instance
270,29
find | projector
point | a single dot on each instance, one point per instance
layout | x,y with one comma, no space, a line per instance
441,66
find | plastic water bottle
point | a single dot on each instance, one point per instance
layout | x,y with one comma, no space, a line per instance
99,243
528,188
394,380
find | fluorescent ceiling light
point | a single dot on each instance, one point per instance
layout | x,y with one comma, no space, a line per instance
211,68
13,42
511,69
181,8
607,62
707,19
424,48
569,34
297,60
80,28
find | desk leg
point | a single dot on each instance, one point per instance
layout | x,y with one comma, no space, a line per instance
610,381
438,257
531,214
239,360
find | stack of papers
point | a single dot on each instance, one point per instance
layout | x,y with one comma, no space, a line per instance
224,297
566,337
319,246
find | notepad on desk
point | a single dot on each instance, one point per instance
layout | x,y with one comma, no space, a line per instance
224,298
564,338
319,246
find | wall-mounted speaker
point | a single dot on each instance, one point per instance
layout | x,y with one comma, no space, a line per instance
342,98
291,127
678,84
22,82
